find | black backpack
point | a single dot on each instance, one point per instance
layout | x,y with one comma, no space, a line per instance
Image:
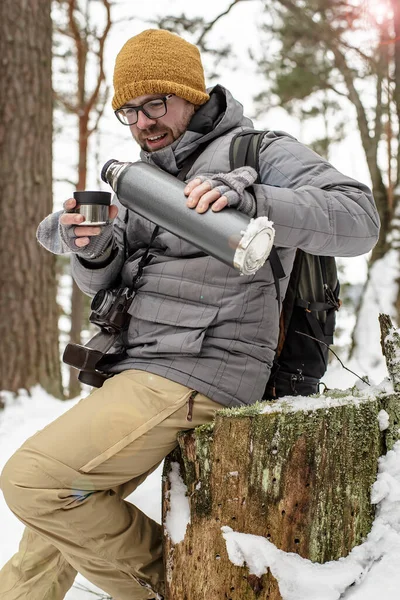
309,307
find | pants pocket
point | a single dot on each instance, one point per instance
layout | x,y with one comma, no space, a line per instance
149,400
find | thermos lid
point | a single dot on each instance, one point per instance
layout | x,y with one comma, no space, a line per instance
93,197
255,246
105,169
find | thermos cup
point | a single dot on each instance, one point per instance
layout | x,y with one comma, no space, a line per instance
228,235
93,205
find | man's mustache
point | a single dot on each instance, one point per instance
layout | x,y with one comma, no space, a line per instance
153,130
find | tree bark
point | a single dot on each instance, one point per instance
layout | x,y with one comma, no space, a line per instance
390,344
300,478
29,352
396,91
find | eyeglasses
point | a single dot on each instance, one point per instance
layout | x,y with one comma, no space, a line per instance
153,109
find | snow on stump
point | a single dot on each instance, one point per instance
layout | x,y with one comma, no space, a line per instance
297,472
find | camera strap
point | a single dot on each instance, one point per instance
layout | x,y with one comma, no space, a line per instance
190,160
103,340
144,261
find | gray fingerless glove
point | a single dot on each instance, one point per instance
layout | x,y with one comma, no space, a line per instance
233,186
96,246
60,239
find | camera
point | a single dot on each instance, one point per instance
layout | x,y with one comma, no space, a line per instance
109,311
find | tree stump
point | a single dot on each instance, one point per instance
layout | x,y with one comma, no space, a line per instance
297,472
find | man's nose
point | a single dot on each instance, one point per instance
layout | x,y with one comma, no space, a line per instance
144,122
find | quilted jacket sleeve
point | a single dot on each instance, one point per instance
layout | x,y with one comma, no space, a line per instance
312,205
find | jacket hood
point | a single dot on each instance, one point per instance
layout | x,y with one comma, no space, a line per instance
217,116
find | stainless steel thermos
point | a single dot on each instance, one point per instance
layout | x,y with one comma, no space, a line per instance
228,235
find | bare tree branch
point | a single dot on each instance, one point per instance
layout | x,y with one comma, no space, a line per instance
211,24
368,59
101,76
69,106
369,144
381,72
100,112
396,94
62,31
81,51
65,180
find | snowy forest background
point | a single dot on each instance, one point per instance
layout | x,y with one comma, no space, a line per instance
326,71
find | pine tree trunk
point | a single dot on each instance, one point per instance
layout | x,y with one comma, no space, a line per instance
29,352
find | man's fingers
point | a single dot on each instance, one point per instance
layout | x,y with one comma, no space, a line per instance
69,204
81,242
191,185
220,204
113,211
71,219
201,194
206,200
201,197
84,231
197,191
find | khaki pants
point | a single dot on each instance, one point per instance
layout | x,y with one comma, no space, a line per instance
68,482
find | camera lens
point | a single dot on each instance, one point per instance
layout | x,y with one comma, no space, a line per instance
102,302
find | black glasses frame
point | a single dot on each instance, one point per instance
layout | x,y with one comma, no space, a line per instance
141,107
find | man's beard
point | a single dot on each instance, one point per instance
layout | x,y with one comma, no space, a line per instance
172,134
154,131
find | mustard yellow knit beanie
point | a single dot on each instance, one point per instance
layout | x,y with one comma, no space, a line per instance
158,62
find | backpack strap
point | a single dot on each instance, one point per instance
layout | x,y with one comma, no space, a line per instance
190,160
245,150
314,306
277,272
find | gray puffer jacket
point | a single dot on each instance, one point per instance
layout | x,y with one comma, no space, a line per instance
195,320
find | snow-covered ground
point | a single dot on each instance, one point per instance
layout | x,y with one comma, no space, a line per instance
23,416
